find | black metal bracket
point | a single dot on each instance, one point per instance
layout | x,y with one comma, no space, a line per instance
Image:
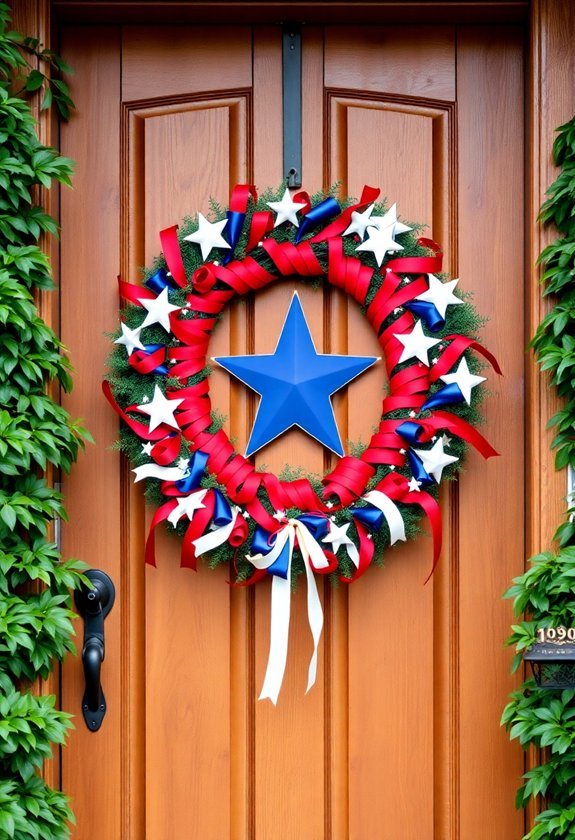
291,63
94,604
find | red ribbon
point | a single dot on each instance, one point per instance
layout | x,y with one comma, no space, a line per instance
133,293
172,253
262,222
397,488
457,347
166,450
366,550
419,265
240,197
145,362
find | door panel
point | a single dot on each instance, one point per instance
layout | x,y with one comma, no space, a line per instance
399,739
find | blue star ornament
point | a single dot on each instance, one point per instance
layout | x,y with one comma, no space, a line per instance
295,384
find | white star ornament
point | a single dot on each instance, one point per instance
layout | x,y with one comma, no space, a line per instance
159,309
208,235
416,344
160,410
379,241
390,220
130,339
359,222
464,380
440,294
338,536
435,459
187,506
286,209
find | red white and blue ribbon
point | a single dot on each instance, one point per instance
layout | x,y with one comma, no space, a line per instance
416,410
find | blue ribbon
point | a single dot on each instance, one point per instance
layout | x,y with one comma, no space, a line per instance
448,395
410,431
281,565
322,212
196,467
233,232
261,545
151,348
368,515
222,511
418,470
159,280
428,312
318,526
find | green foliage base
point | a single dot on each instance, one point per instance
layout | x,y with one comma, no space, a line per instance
35,434
545,595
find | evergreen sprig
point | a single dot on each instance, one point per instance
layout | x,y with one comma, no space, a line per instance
35,434
544,594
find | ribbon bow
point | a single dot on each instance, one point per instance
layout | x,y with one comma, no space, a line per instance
278,561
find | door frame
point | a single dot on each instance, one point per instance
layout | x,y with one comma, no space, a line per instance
549,102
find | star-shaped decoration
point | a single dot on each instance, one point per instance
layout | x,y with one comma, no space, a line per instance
414,485
416,344
359,222
280,515
379,241
295,384
187,506
440,294
208,235
435,459
390,220
183,463
160,410
338,536
147,448
446,440
464,380
130,339
159,309
286,209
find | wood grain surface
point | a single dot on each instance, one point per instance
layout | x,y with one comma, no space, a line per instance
400,737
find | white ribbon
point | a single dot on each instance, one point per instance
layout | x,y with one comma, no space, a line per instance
313,556
391,513
353,553
156,471
218,536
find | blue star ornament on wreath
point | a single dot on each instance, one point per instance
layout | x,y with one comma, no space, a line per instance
268,525
295,384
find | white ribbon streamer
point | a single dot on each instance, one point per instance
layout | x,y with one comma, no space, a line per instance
391,513
218,536
313,557
353,553
156,471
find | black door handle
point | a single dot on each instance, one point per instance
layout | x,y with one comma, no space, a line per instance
94,603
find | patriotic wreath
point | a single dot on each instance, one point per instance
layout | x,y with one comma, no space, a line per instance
213,496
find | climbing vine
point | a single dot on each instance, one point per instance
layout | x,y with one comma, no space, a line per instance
36,434
545,595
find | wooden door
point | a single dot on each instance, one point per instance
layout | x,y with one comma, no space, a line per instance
400,737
